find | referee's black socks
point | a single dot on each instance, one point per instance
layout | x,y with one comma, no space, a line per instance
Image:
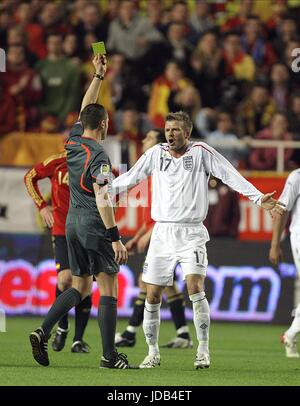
68,299
63,322
82,314
107,320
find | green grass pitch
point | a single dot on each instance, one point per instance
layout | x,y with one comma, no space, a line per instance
241,355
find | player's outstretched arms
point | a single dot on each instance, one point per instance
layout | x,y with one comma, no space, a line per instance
272,205
106,211
92,92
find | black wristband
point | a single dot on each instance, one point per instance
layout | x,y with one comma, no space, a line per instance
96,75
114,233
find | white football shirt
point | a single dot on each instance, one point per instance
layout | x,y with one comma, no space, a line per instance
290,197
180,185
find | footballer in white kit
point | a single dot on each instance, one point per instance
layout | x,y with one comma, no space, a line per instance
180,172
290,197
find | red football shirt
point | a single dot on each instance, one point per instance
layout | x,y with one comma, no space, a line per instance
54,168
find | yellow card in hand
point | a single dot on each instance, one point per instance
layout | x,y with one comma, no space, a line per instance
99,48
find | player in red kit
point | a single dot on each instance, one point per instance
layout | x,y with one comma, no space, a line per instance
54,217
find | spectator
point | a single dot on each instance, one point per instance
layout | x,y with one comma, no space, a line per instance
279,10
154,14
237,22
237,64
71,48
112,10
131,127
256,46
266,158
91,22
294,115
287,31
50,18
60,80
188,99
225,141
23,85
179,12
34,32
201,20
256,111
6,21
131,34
280,85
17,36
172,79
208,66
177,46
87,51
7,112
224,210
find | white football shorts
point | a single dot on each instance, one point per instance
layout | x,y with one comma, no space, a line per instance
295,244
172,244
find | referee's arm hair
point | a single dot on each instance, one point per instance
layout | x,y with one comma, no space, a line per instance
92,93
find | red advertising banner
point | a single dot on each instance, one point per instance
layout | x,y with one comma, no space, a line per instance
256,223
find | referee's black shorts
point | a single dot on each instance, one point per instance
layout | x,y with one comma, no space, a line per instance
89,246
60,248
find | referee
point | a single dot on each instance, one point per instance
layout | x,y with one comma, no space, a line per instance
94,244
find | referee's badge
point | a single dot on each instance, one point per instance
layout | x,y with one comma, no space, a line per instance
104,169
188,163
104,177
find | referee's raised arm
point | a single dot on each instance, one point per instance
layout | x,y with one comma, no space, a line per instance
92,92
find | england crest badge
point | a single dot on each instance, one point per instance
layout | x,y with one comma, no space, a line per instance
188,163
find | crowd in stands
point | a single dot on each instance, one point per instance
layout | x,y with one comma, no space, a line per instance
225,63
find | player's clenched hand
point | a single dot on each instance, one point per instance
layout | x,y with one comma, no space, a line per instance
121,254
272,205
100,64
275,255
47,216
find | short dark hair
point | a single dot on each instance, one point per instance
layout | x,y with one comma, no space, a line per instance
91,115
160,135
183,117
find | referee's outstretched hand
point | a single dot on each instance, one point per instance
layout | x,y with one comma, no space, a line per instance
121,254
272,205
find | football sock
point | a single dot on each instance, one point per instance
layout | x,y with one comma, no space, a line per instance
107,320
151,325
137,316
176,305
63,322
295,326
201,320
82,314
129,333
68,299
